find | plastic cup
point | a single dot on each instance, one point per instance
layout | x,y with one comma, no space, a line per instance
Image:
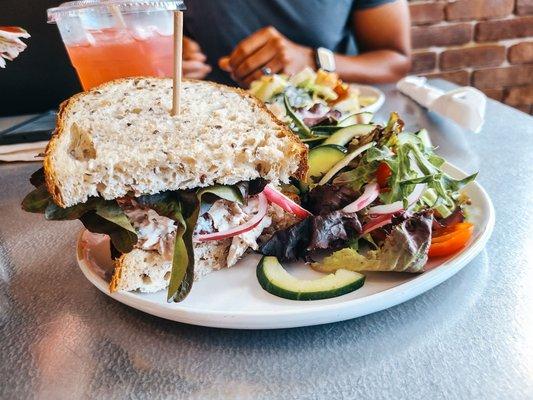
110,39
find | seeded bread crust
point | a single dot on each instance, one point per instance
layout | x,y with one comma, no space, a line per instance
53,183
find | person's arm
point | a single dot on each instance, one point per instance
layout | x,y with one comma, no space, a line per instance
382,34
384,42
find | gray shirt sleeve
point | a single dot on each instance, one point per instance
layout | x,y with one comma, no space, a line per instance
364,4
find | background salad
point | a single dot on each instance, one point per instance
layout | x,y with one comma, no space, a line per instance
309,100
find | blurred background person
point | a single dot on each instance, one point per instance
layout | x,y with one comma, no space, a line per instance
236,41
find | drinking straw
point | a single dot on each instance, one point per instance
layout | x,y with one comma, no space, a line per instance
119,18
178,50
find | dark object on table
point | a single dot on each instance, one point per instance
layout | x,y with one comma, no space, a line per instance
35,129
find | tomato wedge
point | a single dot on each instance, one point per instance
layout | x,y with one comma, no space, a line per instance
451,239
448,233
383,174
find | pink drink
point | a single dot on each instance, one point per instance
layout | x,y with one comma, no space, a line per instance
117,54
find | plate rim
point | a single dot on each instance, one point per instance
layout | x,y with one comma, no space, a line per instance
321,313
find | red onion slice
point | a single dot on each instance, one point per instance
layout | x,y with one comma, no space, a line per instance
276,197
398,205
247,226
370,194
376,223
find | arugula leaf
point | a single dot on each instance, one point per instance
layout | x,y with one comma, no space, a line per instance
455,185
166,203
379,154
111,211
37,200
358,177
37,178
182,273
55,213
122,239
96,214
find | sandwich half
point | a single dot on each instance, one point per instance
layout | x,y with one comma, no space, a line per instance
179,196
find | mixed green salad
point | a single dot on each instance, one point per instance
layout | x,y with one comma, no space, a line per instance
377,199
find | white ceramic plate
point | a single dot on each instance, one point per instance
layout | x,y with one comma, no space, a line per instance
232,298
370,91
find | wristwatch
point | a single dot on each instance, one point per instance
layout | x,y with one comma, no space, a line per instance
325,59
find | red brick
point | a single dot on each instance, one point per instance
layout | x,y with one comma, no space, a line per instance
524,7
480,56
519,95
506,76
478,9
426,13
441,35
488,31
459,77
496,94
521,53
423,62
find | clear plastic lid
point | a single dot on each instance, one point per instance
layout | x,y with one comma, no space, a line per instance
75,8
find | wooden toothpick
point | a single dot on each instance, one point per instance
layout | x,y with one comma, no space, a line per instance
178,50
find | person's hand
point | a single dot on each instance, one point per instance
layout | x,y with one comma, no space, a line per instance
266,49
194,65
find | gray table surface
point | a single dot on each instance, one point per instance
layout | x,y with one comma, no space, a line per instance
469,338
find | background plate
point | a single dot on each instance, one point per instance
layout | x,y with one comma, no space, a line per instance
370,91
232,298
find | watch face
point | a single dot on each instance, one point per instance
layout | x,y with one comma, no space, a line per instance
325,59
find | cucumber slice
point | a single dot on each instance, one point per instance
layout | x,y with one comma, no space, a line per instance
360,118
313,139
344,162
323,157
277,281
343,136
325,129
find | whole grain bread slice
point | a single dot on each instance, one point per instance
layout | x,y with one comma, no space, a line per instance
119,138
148,272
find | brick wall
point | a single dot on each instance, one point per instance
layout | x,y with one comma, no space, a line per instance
484,43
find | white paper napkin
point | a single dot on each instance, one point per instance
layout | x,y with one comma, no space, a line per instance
22,151
464,105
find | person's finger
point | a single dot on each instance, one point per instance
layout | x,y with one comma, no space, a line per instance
275,65
223,63
190,45
257,59
195,57
251,44
200,74
195,66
